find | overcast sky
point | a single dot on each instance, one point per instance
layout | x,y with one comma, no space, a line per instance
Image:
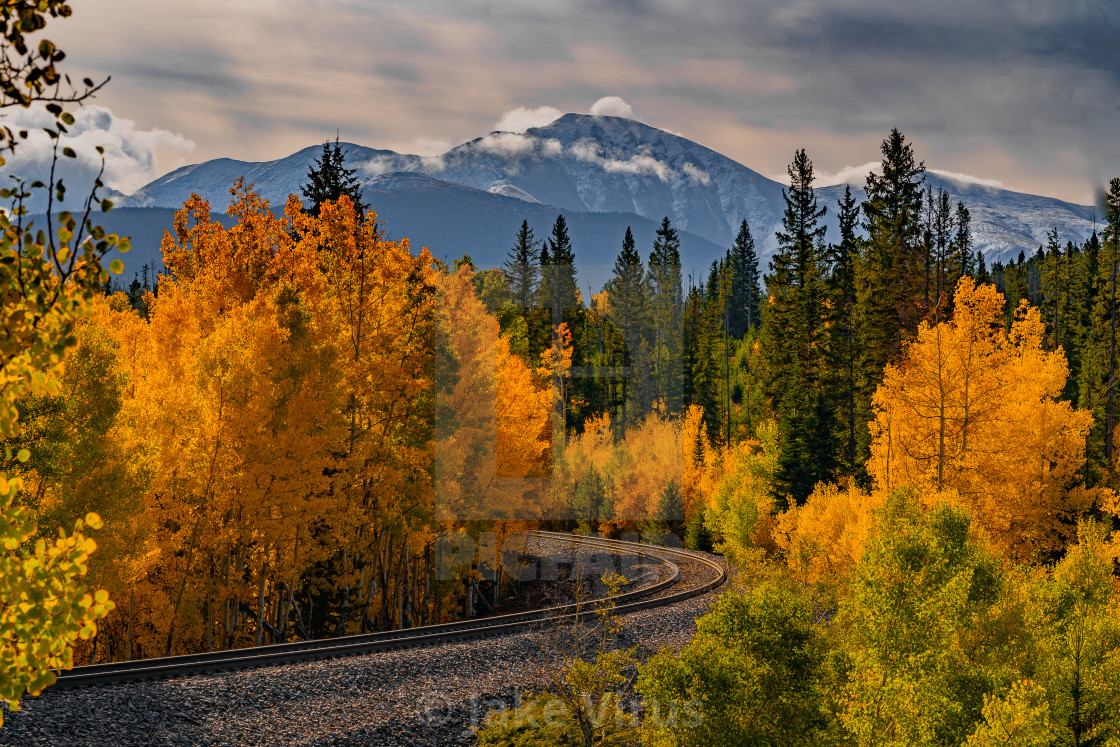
1026,94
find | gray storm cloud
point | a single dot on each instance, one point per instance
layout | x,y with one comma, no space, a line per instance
1019,92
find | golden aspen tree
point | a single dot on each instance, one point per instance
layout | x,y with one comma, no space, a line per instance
498,418
973,409
824,538
383,317
930,409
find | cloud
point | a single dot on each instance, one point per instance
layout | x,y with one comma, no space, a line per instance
856,175
551,147
430,146
956,176
586,150
379,165
696,174
133,157
611,106
507,144
522,118
641,163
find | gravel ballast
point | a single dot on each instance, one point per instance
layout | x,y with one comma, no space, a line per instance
418,696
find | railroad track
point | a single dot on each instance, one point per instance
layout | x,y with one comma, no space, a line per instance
296,651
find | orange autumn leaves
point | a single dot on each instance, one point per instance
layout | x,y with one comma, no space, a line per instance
280,414
970,416
973,410
493,439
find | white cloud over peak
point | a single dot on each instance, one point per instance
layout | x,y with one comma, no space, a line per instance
379,165
640,163
522,118
507,144
696,174
855,175
133,156
956,176
611,106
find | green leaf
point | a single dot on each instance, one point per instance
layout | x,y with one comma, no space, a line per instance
67,118
69,153
116,267
106,205
23,455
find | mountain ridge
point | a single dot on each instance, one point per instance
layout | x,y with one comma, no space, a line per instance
600,164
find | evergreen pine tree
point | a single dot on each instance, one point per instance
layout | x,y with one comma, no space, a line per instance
961,249
888,274
793,338
629,313
521,268
670,508
558,295
558,288
743,304
329,179
945,262
705,350
842,347
983,277
697,536
666,310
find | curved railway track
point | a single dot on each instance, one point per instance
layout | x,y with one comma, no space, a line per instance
655,595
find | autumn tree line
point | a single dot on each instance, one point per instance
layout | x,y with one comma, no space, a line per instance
906,454
259,436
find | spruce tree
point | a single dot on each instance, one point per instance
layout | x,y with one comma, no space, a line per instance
944,279
558,288
329,179
558,295
888,274
793,340
705,350
743,304
521,268
983,277
629,314
842,347
666,309
962,243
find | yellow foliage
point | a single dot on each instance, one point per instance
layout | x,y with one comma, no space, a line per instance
740,511
824,538
490,462
972,409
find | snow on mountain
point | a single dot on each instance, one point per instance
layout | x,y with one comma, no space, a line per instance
601,164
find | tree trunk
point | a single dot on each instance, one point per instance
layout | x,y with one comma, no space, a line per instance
427,582
283,621
210,604
260,598
131,612
344,606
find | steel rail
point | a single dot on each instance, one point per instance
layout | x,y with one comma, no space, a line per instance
297,651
